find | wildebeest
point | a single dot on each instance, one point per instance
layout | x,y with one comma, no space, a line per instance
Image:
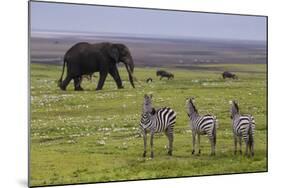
86,76
89,76
166,74
148,80
227,74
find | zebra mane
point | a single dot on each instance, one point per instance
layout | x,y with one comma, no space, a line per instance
193,106
236,106
153,111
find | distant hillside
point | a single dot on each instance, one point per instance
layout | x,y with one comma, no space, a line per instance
50,47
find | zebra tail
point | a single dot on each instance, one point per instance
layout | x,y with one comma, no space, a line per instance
216,125
250,132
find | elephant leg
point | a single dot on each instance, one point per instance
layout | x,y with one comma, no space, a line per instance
103,76
77,83
115,75
65,82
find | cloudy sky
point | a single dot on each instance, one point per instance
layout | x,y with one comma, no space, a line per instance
100,19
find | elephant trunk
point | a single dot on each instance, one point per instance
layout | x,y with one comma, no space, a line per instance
129,63
131,76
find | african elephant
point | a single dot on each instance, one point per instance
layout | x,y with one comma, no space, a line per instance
85,59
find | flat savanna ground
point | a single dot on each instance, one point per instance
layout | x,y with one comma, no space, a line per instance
93,136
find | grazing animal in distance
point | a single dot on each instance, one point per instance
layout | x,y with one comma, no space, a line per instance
156,121
85,76
89,76
201,125
243,126
163,73
148,80
227,74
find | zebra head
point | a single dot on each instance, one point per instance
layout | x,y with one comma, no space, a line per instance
234,109
147,104
191,109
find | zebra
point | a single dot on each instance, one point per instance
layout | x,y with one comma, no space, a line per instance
156,121
201,125
243,126
148,80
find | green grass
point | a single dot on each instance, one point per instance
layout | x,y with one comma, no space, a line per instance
93,136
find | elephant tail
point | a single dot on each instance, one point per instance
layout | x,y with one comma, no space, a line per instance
60,80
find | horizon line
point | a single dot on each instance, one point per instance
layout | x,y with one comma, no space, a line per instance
138,35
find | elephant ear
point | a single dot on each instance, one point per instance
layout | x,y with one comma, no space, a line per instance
114,53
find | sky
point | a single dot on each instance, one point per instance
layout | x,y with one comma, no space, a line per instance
162,23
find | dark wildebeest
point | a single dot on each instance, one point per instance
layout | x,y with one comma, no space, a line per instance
166,74
86,76
229,75
148,80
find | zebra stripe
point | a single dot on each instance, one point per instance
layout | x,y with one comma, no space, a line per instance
204,125
201,125
243,128
163,120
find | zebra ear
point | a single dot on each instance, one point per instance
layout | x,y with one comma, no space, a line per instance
153,111
151,96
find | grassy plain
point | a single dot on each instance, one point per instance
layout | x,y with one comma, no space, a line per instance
93,136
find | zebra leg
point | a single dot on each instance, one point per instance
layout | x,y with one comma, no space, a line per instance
212,140
252,148
235,144
144,143
247,146
193,142
240,145
151,145
198,140
170,136
171,140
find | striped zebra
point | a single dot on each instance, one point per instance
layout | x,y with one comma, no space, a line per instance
156,121
243,126
201,125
